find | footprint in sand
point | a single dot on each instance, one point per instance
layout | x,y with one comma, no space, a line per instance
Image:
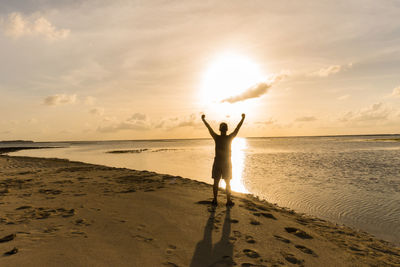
81,222
250,239
78,232
44,213
141,227
7,238
251,253
170,264
282,239
11,252
63,182
262,208
306,250
79,194
237,234
249,207
252,265
66,213
298,233
4,191
23,207
268,215
50,191
52,229
254,222
129,190
142,238
359,251
292,259
170,250
232,238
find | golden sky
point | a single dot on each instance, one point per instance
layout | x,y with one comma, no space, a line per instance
101,70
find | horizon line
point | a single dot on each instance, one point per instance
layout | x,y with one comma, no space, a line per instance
200,138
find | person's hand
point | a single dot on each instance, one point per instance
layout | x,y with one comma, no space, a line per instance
203,117
243,115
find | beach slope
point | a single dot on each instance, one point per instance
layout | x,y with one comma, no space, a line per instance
60,213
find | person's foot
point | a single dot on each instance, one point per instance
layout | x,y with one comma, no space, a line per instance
230,203
214,202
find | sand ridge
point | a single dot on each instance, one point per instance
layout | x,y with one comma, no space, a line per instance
60,213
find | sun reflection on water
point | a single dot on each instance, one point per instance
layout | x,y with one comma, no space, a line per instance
238,156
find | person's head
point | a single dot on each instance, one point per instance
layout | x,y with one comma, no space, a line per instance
223,127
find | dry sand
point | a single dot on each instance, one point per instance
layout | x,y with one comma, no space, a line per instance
61,213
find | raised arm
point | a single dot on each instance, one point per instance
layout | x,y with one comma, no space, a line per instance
235,132
203,118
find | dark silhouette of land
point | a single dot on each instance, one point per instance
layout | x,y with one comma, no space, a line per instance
4,150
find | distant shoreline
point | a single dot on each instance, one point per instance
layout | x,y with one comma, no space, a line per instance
4,150
15,141
199,138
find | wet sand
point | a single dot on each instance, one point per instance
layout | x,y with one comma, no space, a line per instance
60,213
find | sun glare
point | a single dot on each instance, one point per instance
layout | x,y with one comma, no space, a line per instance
229,75
238,156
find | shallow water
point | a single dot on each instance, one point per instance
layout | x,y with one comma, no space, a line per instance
354,180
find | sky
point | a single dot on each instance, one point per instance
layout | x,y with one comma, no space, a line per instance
111,70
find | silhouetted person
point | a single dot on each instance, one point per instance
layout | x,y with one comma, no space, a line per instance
222,166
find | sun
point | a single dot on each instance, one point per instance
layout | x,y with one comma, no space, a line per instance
229,74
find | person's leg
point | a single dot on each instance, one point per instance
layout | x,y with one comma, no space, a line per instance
229,201
227,178
215,190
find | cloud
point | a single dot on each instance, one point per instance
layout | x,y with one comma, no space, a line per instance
270,121
192,120
330,70
137,122
62,99
257,90
125,125
17,25
396,91
89,100
375,112
324,72
343,97
138,117
253,92
97,111
32,121
306,119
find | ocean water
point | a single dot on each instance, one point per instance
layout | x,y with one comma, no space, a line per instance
351,180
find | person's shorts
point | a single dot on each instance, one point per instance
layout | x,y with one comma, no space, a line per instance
222,168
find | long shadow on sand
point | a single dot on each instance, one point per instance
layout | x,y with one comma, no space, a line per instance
221,253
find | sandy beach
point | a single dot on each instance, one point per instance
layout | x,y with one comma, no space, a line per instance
60,213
